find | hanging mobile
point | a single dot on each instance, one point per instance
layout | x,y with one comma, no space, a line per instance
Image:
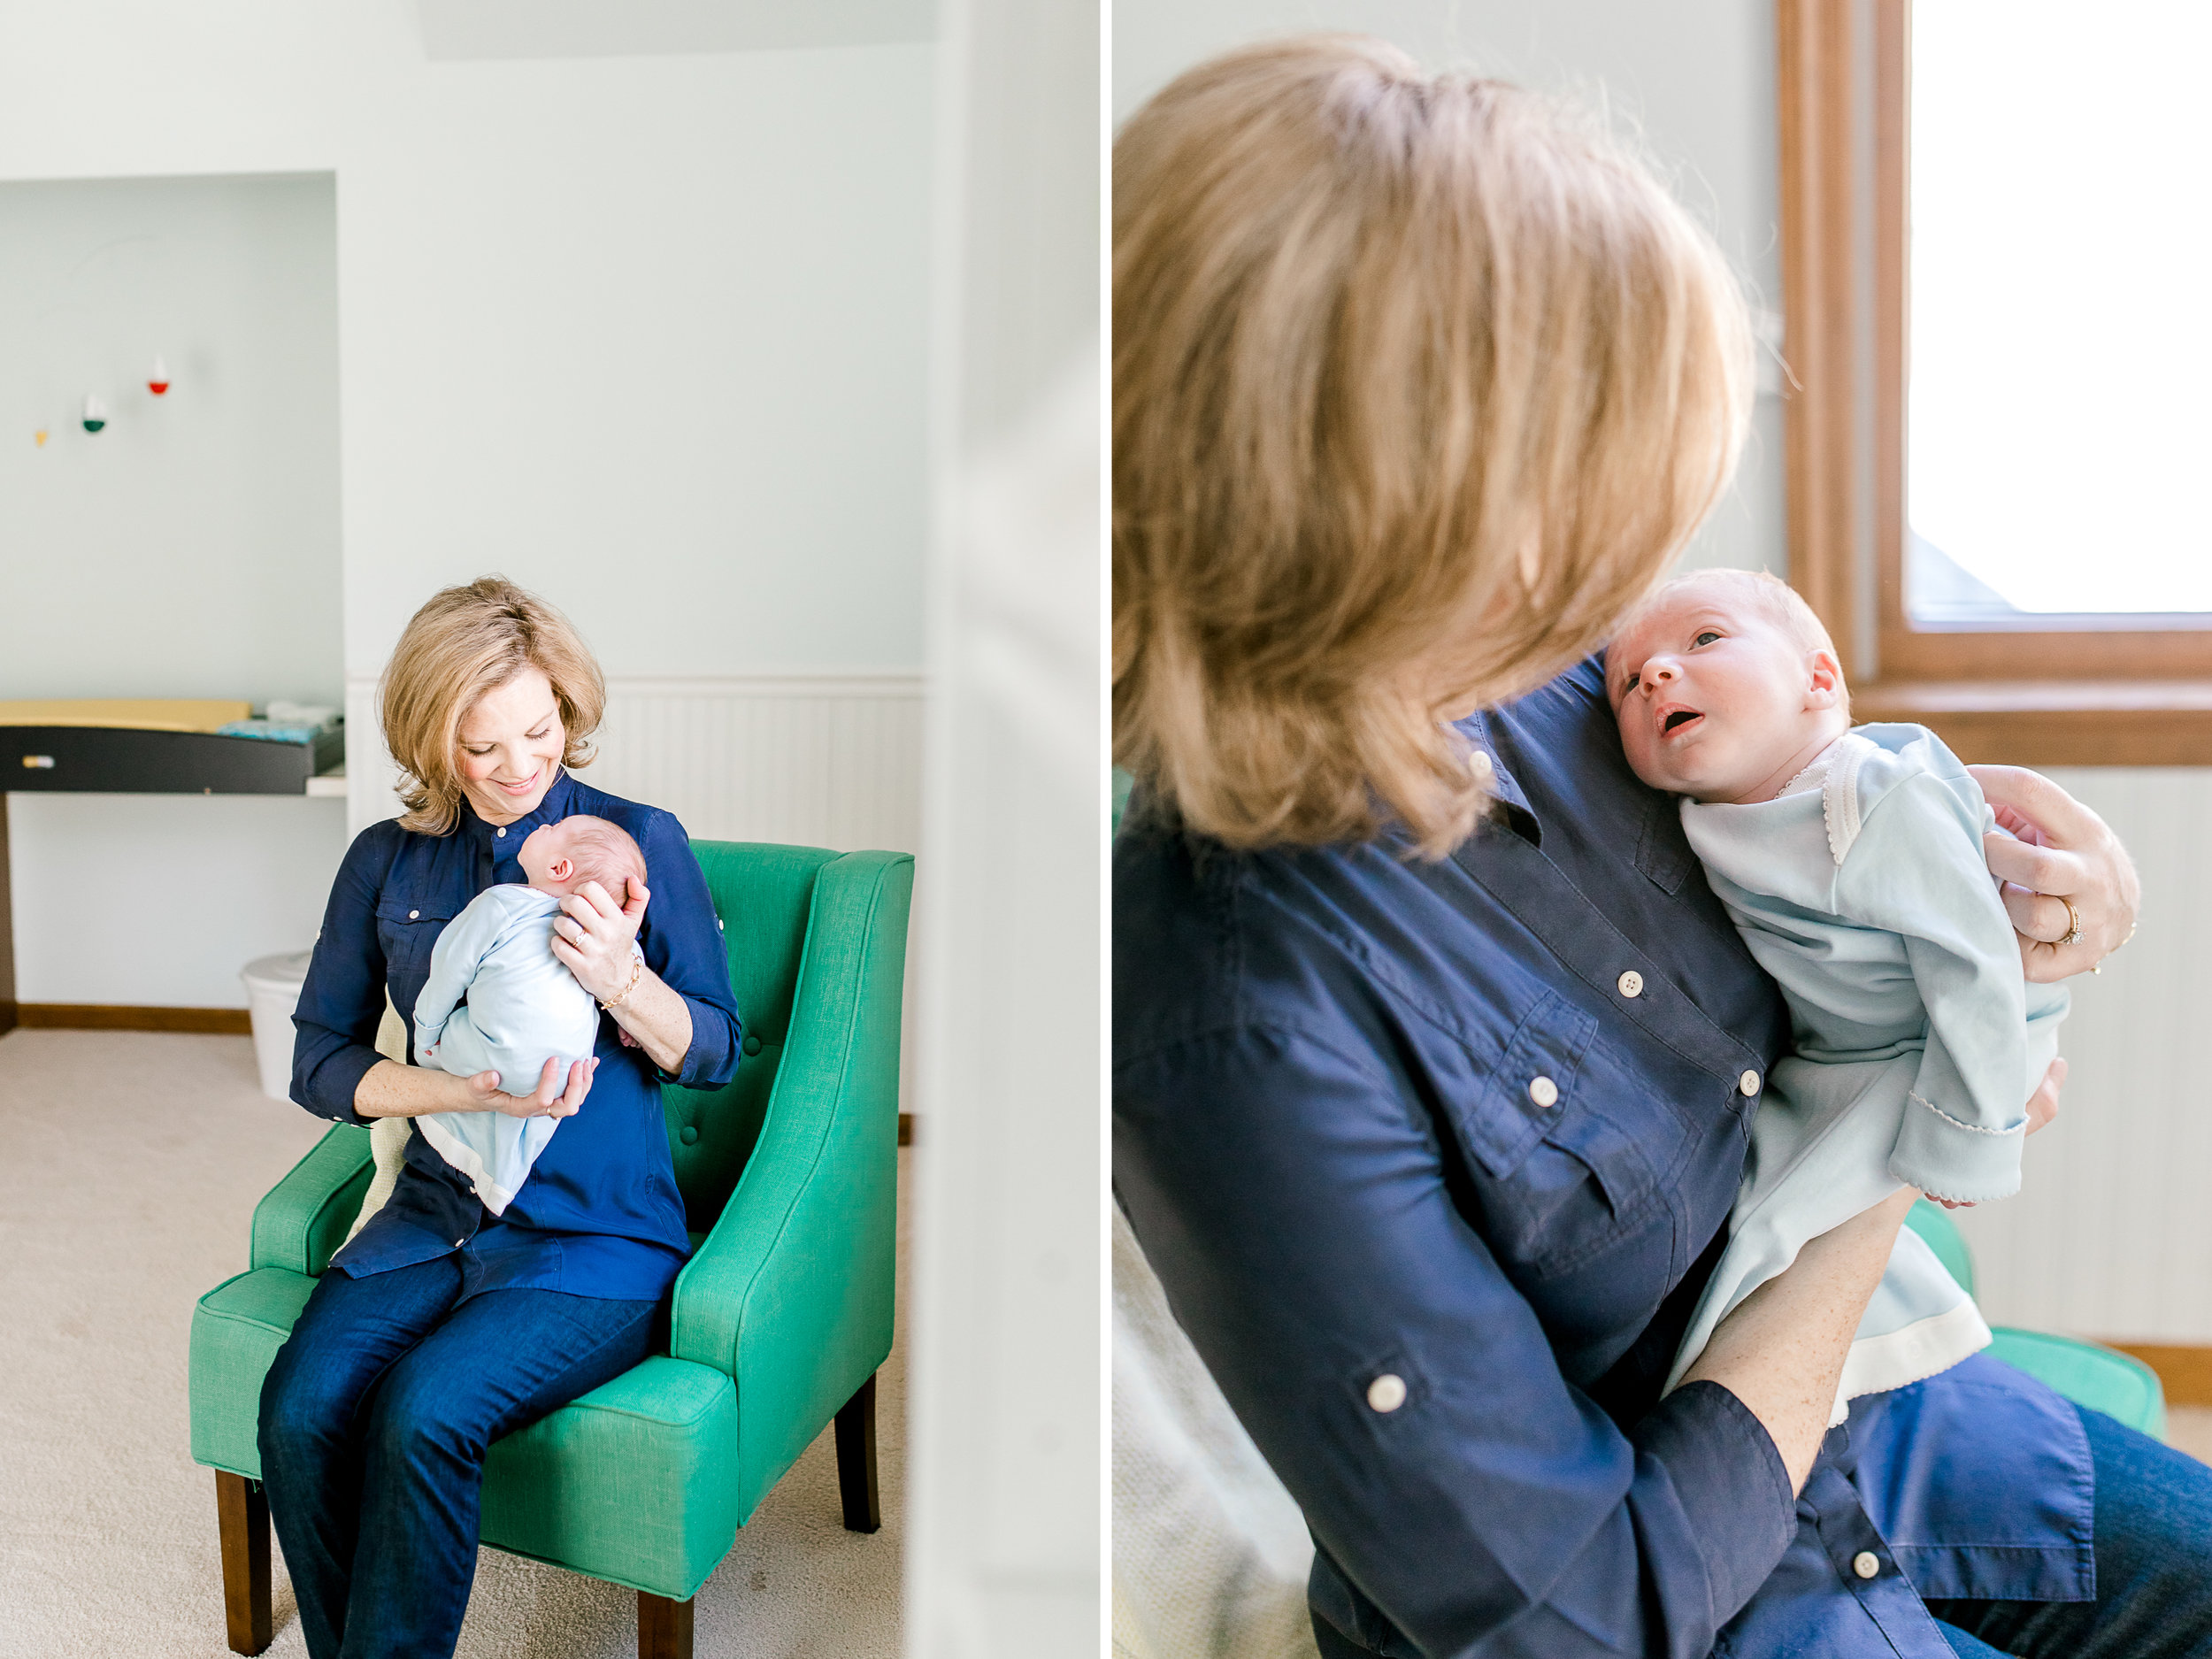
158,382
96,413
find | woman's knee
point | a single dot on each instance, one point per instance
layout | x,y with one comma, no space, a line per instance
2153,1520
416,1419
299,1411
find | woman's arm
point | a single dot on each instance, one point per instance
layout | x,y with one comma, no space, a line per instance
1782,1351
388,1089
680,1008
592,938
1297,1210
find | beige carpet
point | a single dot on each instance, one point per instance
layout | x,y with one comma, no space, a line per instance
130,1164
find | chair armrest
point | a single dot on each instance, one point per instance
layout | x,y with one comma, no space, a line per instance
300,1222
791,1293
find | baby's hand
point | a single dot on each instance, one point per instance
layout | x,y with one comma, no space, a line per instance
2042,1107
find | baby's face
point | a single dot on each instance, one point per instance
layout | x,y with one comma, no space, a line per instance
548,858
1715,698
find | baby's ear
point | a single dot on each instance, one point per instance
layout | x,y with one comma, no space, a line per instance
560,869
1826,687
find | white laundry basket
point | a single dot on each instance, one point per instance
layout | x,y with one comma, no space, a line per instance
272,991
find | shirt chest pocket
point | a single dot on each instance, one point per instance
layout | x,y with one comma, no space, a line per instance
406,933
1559,1180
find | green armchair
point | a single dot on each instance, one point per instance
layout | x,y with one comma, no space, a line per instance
790,1181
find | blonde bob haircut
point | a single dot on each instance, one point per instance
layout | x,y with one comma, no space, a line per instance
1419,382
467,642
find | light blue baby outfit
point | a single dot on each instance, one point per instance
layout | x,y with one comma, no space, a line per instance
523,1006
1863,890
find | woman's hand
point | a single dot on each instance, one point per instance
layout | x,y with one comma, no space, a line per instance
593,934
388,1089
2042,1107
550,1099
2064,851
592,939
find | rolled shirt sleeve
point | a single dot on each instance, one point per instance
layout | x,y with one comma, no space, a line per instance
1297,1210
334,1025
685,949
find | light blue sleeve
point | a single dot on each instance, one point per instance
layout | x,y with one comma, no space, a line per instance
460,950
1917,868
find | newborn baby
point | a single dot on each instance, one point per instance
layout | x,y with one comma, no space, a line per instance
524,1005
1852,863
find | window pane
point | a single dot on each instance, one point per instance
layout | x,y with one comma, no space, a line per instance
2059,379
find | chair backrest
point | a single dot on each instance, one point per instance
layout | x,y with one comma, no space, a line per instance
763,894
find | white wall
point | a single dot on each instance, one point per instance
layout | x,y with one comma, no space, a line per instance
190,547
1003,1535
647,333
2110,1235
1693,80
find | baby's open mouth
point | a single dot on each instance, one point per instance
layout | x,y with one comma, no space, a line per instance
1675,720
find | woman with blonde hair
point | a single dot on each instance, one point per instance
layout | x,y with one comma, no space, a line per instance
405,1365
1433,1051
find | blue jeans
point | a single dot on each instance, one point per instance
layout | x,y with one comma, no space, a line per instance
375,1418
2154,1543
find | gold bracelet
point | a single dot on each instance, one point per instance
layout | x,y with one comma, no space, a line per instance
637,970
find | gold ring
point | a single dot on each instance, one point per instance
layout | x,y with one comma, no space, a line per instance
2073,919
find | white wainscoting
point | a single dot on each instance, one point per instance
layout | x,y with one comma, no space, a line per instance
2111,1235
820,760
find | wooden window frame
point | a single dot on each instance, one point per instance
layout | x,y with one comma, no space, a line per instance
2103,690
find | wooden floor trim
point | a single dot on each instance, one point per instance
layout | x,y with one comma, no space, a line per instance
2185,1371
230,1022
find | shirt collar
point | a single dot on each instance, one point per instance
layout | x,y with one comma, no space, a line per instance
551,809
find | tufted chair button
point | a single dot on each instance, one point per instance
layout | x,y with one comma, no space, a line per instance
687,1134
752,1045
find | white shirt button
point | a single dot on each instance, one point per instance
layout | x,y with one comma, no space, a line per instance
1543,1091
1748,1083
1387,1393
503,834
1631,983
1481,765
412,914
1866,1564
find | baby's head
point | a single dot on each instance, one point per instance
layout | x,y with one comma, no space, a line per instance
560,857
1725,686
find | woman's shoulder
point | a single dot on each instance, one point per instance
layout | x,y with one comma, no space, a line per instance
1208,941
371,853
635,815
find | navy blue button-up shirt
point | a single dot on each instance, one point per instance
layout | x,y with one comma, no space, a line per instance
600,1215
1377,1116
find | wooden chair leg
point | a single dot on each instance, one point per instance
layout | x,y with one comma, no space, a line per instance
663,1628
242,1511
857,1459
